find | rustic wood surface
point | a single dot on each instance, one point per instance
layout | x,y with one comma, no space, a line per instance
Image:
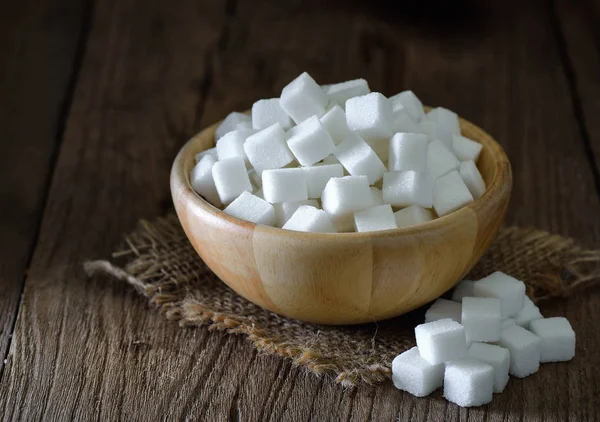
98,97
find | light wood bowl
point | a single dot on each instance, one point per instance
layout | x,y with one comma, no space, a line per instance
343,278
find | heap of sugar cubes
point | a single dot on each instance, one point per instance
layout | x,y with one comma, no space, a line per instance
339,158
472,343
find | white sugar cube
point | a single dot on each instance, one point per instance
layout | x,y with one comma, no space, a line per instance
284,185
468,382
285,210
402,122
450,193
244,126
508,322
310,142
232,144
267,149
443,308
509,290
446,119
462,290
404,188
472,178
318,176
481,318
211,151
466,149
413,374
231,178
341,92
230,123
267,112
303,98
343,196
255,178
376,196
375,219
529,312
525,350
408,151
441,341
412,215
371,116
310,219
252,208
495,356
334,121
435,132
202,180
440,160
557,337
359,159
411,103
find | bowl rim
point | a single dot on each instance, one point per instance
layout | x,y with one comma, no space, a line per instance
179,179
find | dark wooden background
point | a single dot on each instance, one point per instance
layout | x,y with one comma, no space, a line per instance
96,97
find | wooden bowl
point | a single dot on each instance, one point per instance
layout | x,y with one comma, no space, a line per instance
343,278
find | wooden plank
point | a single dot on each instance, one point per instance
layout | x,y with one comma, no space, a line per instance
38,50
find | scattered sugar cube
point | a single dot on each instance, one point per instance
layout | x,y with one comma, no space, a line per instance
440,160
402,122
284,185
558,339
334,121
255,178
450,193
344,196
310,142
435,132
202,180
408,151
267,149
495,356
375,219
472,178
376,196
252,208
509,290
525,350
359,159
230,123
463,289
413,374
310,219
443,308
342,92
529,312
446,119
412,215
318,176
231,178
508,322
303,98
244,126
466,149
371,116
468,382
411,103
441,341
404,188
285,210
212,151
481,318
232,144
267,112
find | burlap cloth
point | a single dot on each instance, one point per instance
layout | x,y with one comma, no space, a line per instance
161,264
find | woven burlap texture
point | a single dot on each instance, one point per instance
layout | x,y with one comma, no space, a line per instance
161,264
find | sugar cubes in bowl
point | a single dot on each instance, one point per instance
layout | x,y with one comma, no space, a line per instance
337,205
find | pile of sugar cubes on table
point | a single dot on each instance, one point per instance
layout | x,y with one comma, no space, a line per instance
472,343
339,158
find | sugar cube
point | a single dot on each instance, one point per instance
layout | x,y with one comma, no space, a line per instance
508,322
557,339
404,188
267,112
359,159
202,180
408,151
481,318
468,382
343,196
509,290
370,115
318,176
413,374
244,126
230,122
376,196
465,149
524,348
231,178
341,92
303,98
441,341
440,160
443,308
446,119
334,121
310,142
375,219
463,289
529,312
267,149
411,103
472,178
495,356
285,210
435,132
252,208
412,215
402,122
211,151
309,219
450,193
232,144
284,185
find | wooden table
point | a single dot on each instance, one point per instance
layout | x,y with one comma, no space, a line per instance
97,97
